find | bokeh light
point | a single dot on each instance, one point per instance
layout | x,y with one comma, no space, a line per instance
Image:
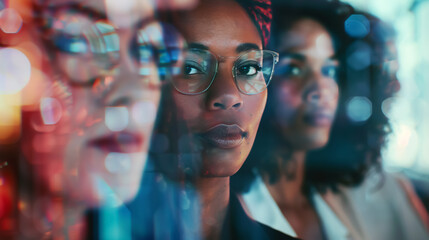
10,21
359,109
357,26
359,56
144,112
51,110
116,118
387,105
118,162
15,72
408,116
10,118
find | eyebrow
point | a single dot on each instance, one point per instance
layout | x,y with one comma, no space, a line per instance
198,46
301,57
296,56
247,46
241,48
78,7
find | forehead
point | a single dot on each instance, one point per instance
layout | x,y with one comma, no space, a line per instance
305,33
124,13
221,26
98,5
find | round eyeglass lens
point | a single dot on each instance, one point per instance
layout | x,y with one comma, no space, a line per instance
199,67
83,46
253,71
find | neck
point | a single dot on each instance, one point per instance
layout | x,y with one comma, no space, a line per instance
214,197
287,191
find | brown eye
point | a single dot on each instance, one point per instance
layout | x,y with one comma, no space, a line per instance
330,71
249,69
294,71
192,68
289,70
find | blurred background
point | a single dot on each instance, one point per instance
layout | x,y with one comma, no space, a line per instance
408,112
407,147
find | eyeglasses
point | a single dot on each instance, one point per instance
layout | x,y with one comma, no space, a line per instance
86,46
252,71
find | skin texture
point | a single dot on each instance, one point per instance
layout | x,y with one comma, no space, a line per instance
69,157
85,170
223,103
306,104
305,99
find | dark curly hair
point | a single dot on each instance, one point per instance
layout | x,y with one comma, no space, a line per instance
354,147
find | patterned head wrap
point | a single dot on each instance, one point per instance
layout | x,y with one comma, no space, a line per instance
261,14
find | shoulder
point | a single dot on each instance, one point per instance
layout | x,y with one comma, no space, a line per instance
384,206
243,227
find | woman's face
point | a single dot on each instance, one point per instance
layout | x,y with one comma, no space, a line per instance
114,92
222,121
305,91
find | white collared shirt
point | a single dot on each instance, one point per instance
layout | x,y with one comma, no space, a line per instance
262,208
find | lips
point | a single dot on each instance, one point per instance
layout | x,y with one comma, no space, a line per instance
224,136
121,142
319,118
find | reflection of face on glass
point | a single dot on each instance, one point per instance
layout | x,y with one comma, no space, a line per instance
221,93
306,92
113,74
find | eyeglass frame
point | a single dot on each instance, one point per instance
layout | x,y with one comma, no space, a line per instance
50,12
276,57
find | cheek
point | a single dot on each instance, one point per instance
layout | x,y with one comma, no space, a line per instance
287,101
84,111
288,94
334,93
75,156
189,108
254,110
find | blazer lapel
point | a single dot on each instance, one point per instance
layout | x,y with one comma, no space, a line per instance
340,205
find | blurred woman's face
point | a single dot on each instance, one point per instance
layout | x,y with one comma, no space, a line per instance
222,121
114,88
305,92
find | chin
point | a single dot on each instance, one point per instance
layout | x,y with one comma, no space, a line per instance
308,141
316,141
103,194
316,145
222,164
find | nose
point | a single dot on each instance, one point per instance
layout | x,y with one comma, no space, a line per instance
129,79
320,89
223,94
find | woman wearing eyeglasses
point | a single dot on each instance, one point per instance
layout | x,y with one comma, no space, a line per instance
218,101
86,143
